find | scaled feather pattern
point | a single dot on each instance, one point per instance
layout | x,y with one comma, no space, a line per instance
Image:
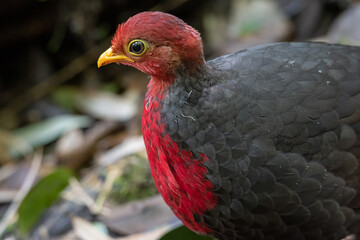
259,144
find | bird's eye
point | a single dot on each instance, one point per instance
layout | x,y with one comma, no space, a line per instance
137,47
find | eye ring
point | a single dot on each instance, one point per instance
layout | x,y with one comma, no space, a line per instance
138,47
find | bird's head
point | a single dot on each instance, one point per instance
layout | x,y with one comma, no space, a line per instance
156,43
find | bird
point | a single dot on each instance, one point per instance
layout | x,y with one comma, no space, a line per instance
263,143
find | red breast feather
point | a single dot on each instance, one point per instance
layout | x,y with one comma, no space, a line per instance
179,178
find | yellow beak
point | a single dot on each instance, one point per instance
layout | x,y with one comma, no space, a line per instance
109,57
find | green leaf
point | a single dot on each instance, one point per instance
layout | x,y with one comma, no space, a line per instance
40,197
182,233
48,130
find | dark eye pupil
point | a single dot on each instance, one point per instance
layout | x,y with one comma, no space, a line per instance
137,47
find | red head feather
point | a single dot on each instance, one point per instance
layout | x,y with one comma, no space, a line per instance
172,43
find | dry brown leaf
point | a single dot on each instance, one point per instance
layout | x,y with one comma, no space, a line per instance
346,29
151,235
139,216
130,146
75,148
6,171
7,195
108,106
87,231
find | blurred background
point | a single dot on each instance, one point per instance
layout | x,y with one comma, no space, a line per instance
72,161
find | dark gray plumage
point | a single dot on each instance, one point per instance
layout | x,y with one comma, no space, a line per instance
280,126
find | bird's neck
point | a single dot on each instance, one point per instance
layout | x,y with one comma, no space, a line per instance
161,81
179,177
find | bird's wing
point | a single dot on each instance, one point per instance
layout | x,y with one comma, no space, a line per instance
280,128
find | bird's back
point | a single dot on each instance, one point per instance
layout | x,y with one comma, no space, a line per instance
279,125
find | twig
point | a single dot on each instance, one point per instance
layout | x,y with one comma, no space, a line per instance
76,193
23,191
111,177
